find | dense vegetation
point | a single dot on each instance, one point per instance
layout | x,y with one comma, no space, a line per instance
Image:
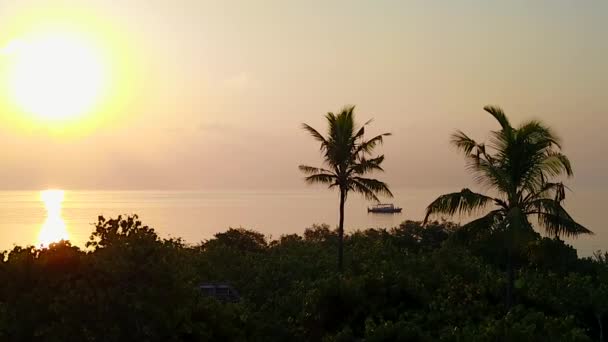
409,283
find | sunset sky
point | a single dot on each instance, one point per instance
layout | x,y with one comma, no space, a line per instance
211,94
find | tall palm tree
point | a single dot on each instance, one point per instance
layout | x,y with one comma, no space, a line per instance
518,165
348,159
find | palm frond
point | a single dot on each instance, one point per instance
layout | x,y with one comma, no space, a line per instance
463,142
342,126
332,126
557,191
315,134
535,132
361,188
359,133
368,146
500,116
361,130
364,165
556,163
489,175
538,170
560,226
375,186
529,155
463,202
555,219
322,178
500,142
311,170
486,222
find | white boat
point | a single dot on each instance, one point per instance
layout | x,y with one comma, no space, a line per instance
384,208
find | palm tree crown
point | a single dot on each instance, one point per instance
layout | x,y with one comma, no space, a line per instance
519,165
347,158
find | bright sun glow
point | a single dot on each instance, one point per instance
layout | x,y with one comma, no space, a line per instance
67,71
54,228
55,76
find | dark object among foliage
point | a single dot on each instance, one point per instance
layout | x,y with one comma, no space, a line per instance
222,292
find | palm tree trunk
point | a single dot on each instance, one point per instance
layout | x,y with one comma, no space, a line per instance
599,322
510,280
341,231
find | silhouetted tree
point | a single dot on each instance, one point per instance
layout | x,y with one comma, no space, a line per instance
345,153
517,166
241,239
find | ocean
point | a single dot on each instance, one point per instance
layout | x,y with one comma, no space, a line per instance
197,215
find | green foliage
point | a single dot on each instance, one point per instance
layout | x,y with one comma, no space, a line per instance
521,324
131,285
241,239
552,255
414,282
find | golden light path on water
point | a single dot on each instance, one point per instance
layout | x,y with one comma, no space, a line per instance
54,228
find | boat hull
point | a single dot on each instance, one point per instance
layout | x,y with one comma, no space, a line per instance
384,210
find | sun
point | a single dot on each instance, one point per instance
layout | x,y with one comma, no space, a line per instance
54,228
55,76
67,71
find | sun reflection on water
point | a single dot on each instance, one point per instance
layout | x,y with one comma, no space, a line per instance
54,228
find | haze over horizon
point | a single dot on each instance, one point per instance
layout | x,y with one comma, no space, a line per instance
224,87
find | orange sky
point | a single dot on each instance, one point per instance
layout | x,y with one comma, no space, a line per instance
222,87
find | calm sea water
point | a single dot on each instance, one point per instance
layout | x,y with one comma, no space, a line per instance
197,215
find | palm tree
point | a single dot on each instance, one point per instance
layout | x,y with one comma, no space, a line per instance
347,156
518,166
